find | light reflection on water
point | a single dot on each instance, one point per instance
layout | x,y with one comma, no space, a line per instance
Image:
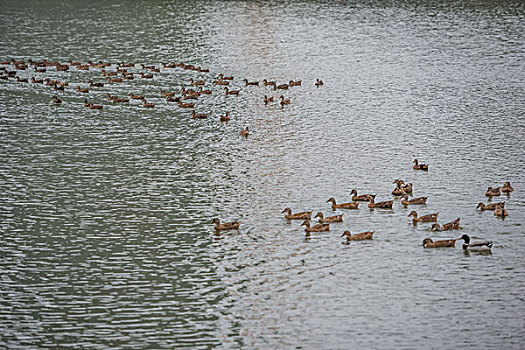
105,216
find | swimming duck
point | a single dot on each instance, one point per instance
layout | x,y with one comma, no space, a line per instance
398,191
198,115
357,236
507,188
231,92
475,246
453,225
146,76
220,82
173,99
244,132
295,83
352,205
136,97
281,86
418,166
222,77
198,82
250,82
226,117
186,105
492,192
490,206
500,211
85,90
445,243
318,82
147,105
37,81
268,99
22,80
335,218
164,93
56,100
305,215
225,226
361,198
201,91
379,205
268,83
284,101
92,106
424,218
91,83
316,227
407,188
114,80
420,200
86,103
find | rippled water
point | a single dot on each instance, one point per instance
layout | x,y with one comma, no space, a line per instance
105,215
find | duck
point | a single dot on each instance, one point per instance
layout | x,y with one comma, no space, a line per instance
136,97
92,106
318,82
335,218
351,205
492,192
398,191
198,115
250,82
231,92
507,188
117,99
500,211
37,81
114,80
379,205
186,105
408,188
475,246
280,86
225,226
146,76
424,218
361,198
244,132
357,236
445,243
91,83
164,93
453,225
86,103
418,166
316,227
147,105
84,90
414,201
268,99
490,206
284,101
196,83
56,100
206,92
173,99
222,77
221,82
305,215
225,117
295,83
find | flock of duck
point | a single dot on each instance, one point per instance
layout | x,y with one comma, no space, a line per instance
186,97
401,191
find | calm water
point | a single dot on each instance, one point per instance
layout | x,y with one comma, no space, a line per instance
105,235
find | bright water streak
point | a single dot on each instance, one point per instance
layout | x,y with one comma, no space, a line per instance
105,216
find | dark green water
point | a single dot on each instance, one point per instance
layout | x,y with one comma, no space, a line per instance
105,235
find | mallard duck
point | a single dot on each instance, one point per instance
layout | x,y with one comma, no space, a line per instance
408,188
147,105
424,218
357,236
186,105
92,106
220,82
414,201
493,192
250,82
316,227
445,243
295,83
361,198
56,100
231,92
268,99
475,246
86,103
173,99
146,76
281,86
244,132
284,101
398,191
507,188
85,90
196,83
222,77
335,218
37,81
500,211
225,226
198,115
164,93
117,99
226,117
318,82
418,166
305,215
379,205
353,205
114,80
490,206
453,225
205,92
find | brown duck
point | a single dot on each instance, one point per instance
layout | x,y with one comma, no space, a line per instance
379,205
418,166
424,218
507,188
335,218
316,227
453,225
445,243
361,198
225,226
351,205
357,236
492,192
414,201
305,215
